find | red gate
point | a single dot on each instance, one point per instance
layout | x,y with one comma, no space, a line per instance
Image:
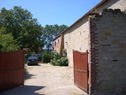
11,69
81,69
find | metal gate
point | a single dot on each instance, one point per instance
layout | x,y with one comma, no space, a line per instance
81,69
11,69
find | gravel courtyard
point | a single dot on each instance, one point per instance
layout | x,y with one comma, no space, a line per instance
46,79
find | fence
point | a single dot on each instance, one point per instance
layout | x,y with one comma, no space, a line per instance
11,69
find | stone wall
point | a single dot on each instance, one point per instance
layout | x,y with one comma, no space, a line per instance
108,53
114,4
57,44
77,38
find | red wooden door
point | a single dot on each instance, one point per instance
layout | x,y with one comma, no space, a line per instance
81,69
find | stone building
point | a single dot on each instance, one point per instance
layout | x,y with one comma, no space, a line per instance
58,44
107,70
77,35
103,35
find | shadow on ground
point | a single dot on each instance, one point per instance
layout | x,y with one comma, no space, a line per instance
27,75
34,65
24,90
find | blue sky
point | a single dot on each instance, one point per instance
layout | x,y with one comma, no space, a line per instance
53,11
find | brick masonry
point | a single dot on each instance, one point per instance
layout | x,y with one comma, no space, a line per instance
108,53
94,57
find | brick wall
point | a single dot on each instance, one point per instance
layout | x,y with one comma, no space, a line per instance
108,53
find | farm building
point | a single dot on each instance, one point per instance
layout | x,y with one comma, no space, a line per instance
99,39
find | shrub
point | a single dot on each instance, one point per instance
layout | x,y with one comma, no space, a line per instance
46,58
64,61
54,54
56,60
53,61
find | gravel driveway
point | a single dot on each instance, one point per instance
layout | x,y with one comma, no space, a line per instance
46,79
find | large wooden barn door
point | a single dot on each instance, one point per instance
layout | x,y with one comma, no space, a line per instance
81,69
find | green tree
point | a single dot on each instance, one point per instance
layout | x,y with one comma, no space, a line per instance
7,42
50,32
24,29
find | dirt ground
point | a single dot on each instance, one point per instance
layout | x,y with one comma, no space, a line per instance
46,79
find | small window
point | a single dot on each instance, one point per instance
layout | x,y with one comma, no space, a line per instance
55,43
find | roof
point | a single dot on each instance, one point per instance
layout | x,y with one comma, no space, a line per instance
103,2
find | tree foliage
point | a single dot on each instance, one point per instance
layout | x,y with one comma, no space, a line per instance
7,42
50,32
24,29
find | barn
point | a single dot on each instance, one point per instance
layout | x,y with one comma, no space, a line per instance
98,40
